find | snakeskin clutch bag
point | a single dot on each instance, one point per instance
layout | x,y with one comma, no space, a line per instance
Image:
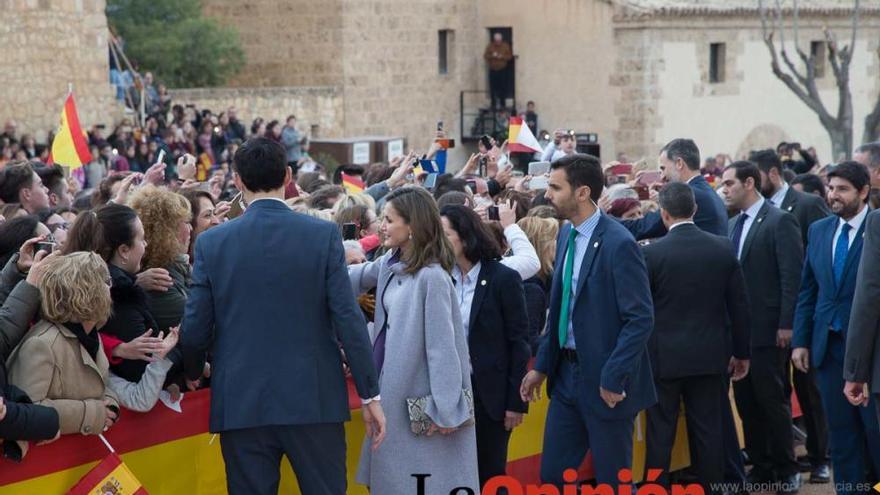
420,423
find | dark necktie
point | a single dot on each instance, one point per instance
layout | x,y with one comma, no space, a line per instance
841,250
736,236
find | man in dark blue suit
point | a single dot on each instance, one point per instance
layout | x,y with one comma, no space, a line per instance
271,301
594,353
822,317
680,162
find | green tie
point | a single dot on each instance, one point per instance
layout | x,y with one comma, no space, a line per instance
567,273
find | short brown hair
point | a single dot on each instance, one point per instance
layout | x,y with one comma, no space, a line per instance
161,212
429,243
73,289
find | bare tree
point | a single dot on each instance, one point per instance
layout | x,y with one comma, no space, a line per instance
802,81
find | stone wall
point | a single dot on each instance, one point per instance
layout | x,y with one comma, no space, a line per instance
319,110
286,43
392,81
46,45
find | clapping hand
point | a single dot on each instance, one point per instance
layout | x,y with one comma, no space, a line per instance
141,348
168,342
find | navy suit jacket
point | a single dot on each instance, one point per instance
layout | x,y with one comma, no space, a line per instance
711,214
821,299
271,300
612,318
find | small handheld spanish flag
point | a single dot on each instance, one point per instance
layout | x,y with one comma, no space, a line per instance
70,146
352,184
110,477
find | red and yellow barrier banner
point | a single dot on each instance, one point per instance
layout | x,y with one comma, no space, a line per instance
171,453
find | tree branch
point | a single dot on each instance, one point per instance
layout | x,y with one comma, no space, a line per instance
872,120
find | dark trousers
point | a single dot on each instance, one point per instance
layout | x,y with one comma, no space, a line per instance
734,468
572,429
492,441
497,87
855,432
315,452
815,423
766,414
703,416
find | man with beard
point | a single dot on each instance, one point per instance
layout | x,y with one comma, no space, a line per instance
806,208
594,353
768,244
823,312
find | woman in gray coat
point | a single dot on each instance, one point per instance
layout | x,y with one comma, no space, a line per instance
420,350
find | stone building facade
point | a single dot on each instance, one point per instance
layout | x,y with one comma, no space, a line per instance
46,45
636,72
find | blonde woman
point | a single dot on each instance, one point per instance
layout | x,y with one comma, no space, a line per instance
421,352
61,362
542,234
167,220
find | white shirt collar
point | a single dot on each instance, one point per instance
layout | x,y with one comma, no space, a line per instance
261,199
753,210
779,197
679,224
471,275
856,221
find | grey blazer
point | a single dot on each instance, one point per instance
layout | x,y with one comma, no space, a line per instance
426,353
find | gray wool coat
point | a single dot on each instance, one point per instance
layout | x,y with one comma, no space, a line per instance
426,353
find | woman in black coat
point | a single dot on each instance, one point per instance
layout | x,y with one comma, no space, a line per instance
130,336
493,312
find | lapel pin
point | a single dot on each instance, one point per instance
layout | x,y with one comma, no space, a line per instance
790,208
596,244
760,219
483,282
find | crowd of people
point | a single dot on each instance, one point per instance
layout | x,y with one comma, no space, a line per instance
194,252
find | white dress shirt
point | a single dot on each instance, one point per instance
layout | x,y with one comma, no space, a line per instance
777,199
752,212
855,223
273,199
465,286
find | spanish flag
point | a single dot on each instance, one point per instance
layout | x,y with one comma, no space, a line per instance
110,476
520,137
70,147
352,184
